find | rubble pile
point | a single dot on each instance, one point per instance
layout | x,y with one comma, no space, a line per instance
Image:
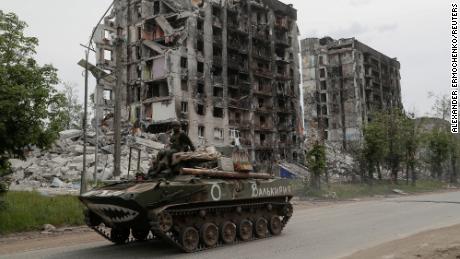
61,166
341,165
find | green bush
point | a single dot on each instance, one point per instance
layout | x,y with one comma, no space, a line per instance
26,211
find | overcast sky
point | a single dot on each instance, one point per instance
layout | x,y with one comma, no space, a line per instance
416,32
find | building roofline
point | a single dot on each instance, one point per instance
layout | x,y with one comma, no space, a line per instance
355,42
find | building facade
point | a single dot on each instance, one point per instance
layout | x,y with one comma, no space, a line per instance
344,82
224,68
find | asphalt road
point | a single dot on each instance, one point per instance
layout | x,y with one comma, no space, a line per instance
324,232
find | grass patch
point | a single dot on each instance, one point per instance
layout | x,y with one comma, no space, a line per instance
26,211
351,191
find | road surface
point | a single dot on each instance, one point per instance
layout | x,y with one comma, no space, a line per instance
324,232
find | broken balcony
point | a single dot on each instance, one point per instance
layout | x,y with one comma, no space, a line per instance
283,76
261,36
262,54
155,69
242,104
281,23
157,91
257,4
285,127
245,125
283,90
217,80
263,90
281,40
265,108
263,126
263,145
263,72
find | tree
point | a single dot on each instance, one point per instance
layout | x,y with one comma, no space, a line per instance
383,142
438,146
375,146
30,107
410,141
316,162
395,154
441,106
73,109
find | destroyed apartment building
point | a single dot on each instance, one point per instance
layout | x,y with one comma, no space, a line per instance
224,69
344,82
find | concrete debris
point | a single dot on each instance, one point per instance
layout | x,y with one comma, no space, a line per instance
397,191
155,46
148,143
74,133
57,183
78,150
341,165
330,195
164,24
48,228
60,168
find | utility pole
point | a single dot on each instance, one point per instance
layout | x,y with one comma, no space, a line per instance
83,182
118,89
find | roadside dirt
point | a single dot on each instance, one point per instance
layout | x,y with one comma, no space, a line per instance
442,243
30,241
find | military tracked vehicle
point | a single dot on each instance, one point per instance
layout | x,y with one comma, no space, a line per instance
191,207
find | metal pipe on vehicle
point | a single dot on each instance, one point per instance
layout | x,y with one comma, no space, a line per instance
222,174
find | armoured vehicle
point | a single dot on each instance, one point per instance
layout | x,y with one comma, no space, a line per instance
191,208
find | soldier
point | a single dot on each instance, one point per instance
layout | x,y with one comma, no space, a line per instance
179,142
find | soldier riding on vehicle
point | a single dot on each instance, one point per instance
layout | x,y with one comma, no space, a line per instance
179,142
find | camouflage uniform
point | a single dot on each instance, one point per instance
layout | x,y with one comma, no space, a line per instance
180,142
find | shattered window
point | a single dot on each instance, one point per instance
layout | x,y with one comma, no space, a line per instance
323,85
218,112
201,131
184,107
183,62
200,109
322,72
218,133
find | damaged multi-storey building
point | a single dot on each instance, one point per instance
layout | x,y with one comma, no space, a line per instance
344,82
224,68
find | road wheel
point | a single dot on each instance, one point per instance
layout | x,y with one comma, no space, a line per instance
189,238
261,227
166,221
209,234
140,234
275,225
245,230
228,232
119,235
